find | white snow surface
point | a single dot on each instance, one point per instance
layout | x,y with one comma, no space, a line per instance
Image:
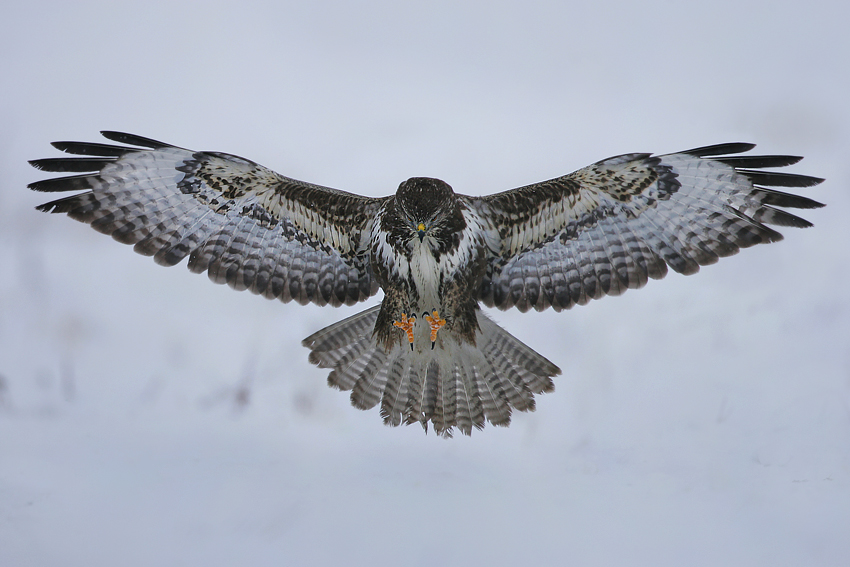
149,417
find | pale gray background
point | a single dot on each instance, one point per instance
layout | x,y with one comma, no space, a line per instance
700,421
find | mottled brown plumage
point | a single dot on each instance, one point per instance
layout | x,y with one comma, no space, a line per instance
427,353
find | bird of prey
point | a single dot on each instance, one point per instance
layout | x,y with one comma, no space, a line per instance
427,353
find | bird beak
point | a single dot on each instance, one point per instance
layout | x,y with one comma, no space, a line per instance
420,230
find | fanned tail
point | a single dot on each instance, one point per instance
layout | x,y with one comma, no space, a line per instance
455,385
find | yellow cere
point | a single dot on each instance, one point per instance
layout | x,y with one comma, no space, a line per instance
421,226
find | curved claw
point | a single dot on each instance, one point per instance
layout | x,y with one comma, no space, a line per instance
436,323
406,325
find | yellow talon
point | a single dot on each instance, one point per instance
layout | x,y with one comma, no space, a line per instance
406,325
436,324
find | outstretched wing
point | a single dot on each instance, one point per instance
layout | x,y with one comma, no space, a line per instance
242,223
611,226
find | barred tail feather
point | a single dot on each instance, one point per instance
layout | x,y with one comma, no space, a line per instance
455,385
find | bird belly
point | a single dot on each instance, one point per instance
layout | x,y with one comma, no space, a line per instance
426,273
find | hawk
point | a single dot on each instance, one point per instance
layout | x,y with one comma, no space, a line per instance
427,353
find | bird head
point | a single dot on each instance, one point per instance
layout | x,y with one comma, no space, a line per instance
425,203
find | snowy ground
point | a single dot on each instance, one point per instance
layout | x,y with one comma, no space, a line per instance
148,417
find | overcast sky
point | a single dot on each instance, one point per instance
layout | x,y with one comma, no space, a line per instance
150,417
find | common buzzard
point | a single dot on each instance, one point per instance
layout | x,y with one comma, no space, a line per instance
428,352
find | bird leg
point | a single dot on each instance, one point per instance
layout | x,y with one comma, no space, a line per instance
436,324
406,325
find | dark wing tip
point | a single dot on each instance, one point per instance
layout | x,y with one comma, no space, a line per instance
720,149
51,207
773,179
759,161
70,165
750,166
100,156
58,184
92,149
789,200
134,140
